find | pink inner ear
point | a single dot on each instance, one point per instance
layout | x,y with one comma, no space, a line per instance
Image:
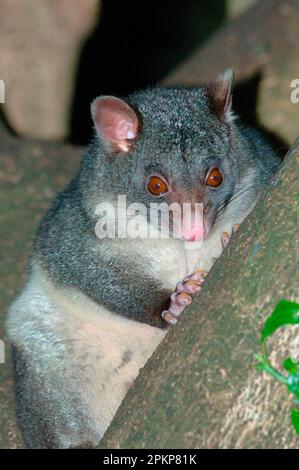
115,120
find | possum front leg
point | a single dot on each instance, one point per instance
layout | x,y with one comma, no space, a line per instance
191,285
214,245
183,295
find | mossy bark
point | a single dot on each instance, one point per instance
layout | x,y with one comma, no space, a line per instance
200,389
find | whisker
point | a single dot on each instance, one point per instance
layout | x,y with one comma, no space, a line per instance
224,205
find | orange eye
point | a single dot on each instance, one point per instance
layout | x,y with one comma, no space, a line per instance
214,178
157,186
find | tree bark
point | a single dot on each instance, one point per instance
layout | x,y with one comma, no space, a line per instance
200,389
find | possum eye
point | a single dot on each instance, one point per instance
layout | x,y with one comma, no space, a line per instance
214,178
157,186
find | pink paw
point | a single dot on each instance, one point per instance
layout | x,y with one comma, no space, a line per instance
182,297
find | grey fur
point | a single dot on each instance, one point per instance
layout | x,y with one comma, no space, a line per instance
180,136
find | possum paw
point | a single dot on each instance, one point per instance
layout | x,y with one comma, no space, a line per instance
183,295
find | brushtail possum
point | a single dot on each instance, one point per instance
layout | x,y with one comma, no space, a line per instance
95,308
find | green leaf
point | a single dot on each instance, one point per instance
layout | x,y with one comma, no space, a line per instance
290,365
293,384
285,313
295,419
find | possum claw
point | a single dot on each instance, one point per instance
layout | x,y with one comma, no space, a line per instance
182,297
235,228
225,236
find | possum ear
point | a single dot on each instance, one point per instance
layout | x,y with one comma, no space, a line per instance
219,93
115,121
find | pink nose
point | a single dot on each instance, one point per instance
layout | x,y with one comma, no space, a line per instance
193,233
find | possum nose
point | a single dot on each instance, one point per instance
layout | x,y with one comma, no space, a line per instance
194,233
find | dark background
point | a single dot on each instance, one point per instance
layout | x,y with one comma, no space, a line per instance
134,45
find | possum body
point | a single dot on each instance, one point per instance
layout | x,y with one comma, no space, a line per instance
91,313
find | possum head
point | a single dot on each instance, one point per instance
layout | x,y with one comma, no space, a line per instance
173,145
